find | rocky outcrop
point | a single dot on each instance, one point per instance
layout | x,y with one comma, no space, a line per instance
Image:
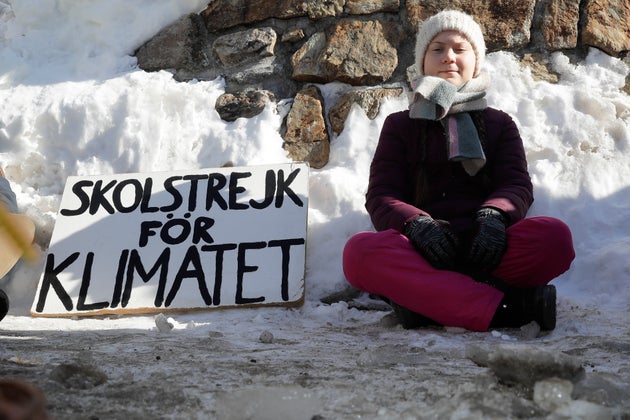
306,139
178,46
560,24
244,104
351,51
368,99
506,24
606,25
267,50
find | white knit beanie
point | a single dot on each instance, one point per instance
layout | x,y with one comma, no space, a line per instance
449,20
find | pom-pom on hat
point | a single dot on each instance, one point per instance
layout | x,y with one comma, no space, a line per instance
449,20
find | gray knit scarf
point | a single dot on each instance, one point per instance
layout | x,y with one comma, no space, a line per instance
436,99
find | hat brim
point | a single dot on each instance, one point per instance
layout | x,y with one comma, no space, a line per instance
10,251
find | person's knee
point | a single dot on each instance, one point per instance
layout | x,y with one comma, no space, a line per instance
358,252
561,239
350,259
558,243
353,251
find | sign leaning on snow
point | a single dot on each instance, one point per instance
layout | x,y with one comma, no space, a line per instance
142,243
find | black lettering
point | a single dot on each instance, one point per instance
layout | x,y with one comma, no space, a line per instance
117,195
179,225
77,189
270,188
171,189
283,187
135,265
146,197
235,189
218,271
147,229
216,182
202,224
120,275
242,269
50,279
98,197
191,257
192,196
85,285
285,246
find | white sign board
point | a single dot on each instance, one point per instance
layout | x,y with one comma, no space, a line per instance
154,242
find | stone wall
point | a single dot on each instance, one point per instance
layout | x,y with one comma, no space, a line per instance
269,50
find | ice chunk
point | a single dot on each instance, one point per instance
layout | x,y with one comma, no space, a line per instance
268,403
552,393
585,410
162,323
525,364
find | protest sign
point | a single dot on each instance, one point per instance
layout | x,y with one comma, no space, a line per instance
208,238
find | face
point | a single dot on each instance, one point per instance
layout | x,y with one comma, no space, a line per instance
451,57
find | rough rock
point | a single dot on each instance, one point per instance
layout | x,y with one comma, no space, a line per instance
245,46
560,24
365,7
306,138
178,46
306,62
322,9
245,104
368,99
354,52
505,24
223,14
606,25
538,65
361,53
293,36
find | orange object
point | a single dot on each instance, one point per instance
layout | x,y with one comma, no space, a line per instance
16,239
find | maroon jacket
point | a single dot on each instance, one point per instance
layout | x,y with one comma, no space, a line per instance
449,192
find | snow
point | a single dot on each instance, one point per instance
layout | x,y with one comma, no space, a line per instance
74,103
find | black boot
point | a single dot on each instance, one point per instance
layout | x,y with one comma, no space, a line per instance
407,318
545,305
410,319
522,306
4,304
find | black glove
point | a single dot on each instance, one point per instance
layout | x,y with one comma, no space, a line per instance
434,240
489,242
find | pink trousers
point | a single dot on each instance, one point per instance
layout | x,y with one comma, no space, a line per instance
386,264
